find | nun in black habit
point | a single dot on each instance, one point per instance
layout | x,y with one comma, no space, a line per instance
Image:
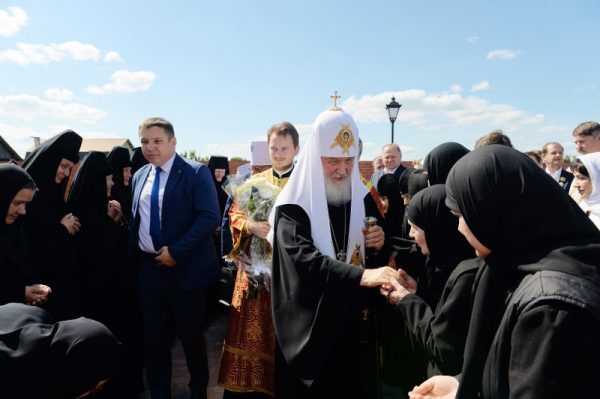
102,267
408,256
536,311
440,336
219,169
48,225
101,244
131,318
17,276
40,358
120,164
438,238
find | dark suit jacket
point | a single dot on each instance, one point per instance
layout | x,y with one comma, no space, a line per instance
399,171
190,214
567,178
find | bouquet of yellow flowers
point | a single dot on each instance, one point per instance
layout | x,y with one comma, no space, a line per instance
255,197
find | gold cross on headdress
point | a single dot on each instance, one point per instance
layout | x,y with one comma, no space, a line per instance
335,97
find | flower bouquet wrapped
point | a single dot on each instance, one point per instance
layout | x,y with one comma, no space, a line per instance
255,198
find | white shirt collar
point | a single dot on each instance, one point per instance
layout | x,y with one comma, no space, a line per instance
555,175
386,170
166,167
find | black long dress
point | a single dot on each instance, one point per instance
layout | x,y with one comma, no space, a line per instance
323,319
53,248
42,358
536,312
16,270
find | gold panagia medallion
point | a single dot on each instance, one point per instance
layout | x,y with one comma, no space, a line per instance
356,258
344,139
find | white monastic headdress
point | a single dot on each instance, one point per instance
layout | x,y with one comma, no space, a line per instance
334,134
592,164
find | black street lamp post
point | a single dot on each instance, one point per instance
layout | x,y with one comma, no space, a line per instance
393,108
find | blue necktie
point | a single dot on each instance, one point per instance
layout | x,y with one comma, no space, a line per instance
155,233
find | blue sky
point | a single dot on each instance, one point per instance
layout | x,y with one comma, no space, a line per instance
223,72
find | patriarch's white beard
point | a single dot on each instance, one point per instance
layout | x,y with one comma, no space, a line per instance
338,193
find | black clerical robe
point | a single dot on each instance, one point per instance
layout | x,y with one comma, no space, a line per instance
324,321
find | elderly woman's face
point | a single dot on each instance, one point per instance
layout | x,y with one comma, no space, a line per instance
219,174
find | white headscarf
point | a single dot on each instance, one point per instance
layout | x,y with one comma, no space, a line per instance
334,134
592,164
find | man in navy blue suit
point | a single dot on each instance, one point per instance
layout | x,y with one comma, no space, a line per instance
175,212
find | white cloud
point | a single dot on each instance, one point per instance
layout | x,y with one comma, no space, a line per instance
112,56
59,94
428,111
472,39
503,54
125,81
29,107
483,85
456,88
28,53
12,21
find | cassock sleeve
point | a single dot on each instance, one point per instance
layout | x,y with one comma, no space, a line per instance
314,296
442,335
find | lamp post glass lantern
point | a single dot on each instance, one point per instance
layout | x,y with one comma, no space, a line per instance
393,108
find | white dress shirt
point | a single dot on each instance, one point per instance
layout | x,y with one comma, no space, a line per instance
145,240
555,175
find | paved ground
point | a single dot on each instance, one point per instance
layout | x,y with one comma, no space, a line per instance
215,334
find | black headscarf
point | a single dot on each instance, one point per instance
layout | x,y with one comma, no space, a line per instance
87,197
43,162
403,180
417,182
137,160
529,223
13,179
218,162
13,243
447,247
441,159
118,159
55,360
